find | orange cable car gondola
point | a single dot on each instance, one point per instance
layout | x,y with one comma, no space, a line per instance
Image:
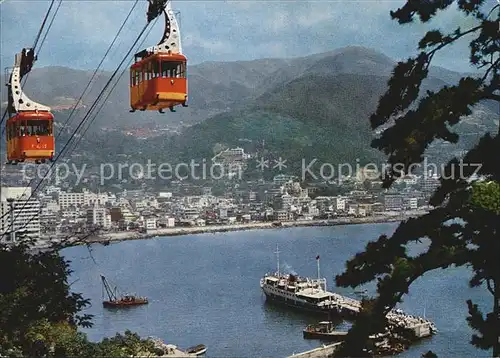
158,78
29,128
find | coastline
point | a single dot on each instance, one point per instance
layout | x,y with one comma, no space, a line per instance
178,231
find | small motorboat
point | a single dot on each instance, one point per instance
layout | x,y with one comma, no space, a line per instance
323,330
361,292
198,350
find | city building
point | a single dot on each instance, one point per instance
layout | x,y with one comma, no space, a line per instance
410,203
282,215
166,222
164,195
207,191
200,222
191,213
282,179
150,223
283,202
98,217
393,202
116,214
67,200
20,214
363,174
231,161
339,203
430,183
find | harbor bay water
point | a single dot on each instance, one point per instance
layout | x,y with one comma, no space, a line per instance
205,289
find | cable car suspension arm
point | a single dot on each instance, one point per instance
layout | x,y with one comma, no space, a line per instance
17,99
171,40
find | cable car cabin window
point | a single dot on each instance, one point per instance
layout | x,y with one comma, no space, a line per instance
156,69
181,70
20,129
132,77
164,69
171,69
149,71
38,128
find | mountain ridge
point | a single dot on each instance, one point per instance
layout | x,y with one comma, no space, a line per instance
214,87
313,106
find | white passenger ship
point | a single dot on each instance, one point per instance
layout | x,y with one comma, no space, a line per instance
311,295
305,293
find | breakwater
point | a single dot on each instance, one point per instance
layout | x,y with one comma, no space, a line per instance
421,327
386,343
321,352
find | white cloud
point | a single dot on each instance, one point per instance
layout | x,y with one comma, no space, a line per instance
194,39
272,49
279,21
215,30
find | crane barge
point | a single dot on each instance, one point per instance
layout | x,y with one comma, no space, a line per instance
114,301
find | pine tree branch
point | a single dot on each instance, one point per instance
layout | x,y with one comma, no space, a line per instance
494,65
490,288
450,39
491,96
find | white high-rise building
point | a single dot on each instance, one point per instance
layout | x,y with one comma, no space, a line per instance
85,198
67,200
18,215
99,217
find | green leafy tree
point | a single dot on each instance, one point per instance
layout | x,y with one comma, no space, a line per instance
58,340
464,226
127,345
36,289
40,316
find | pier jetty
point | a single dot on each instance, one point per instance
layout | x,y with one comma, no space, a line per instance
311,295
385,343
320,352
421,327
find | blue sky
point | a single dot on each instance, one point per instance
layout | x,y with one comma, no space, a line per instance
220,30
